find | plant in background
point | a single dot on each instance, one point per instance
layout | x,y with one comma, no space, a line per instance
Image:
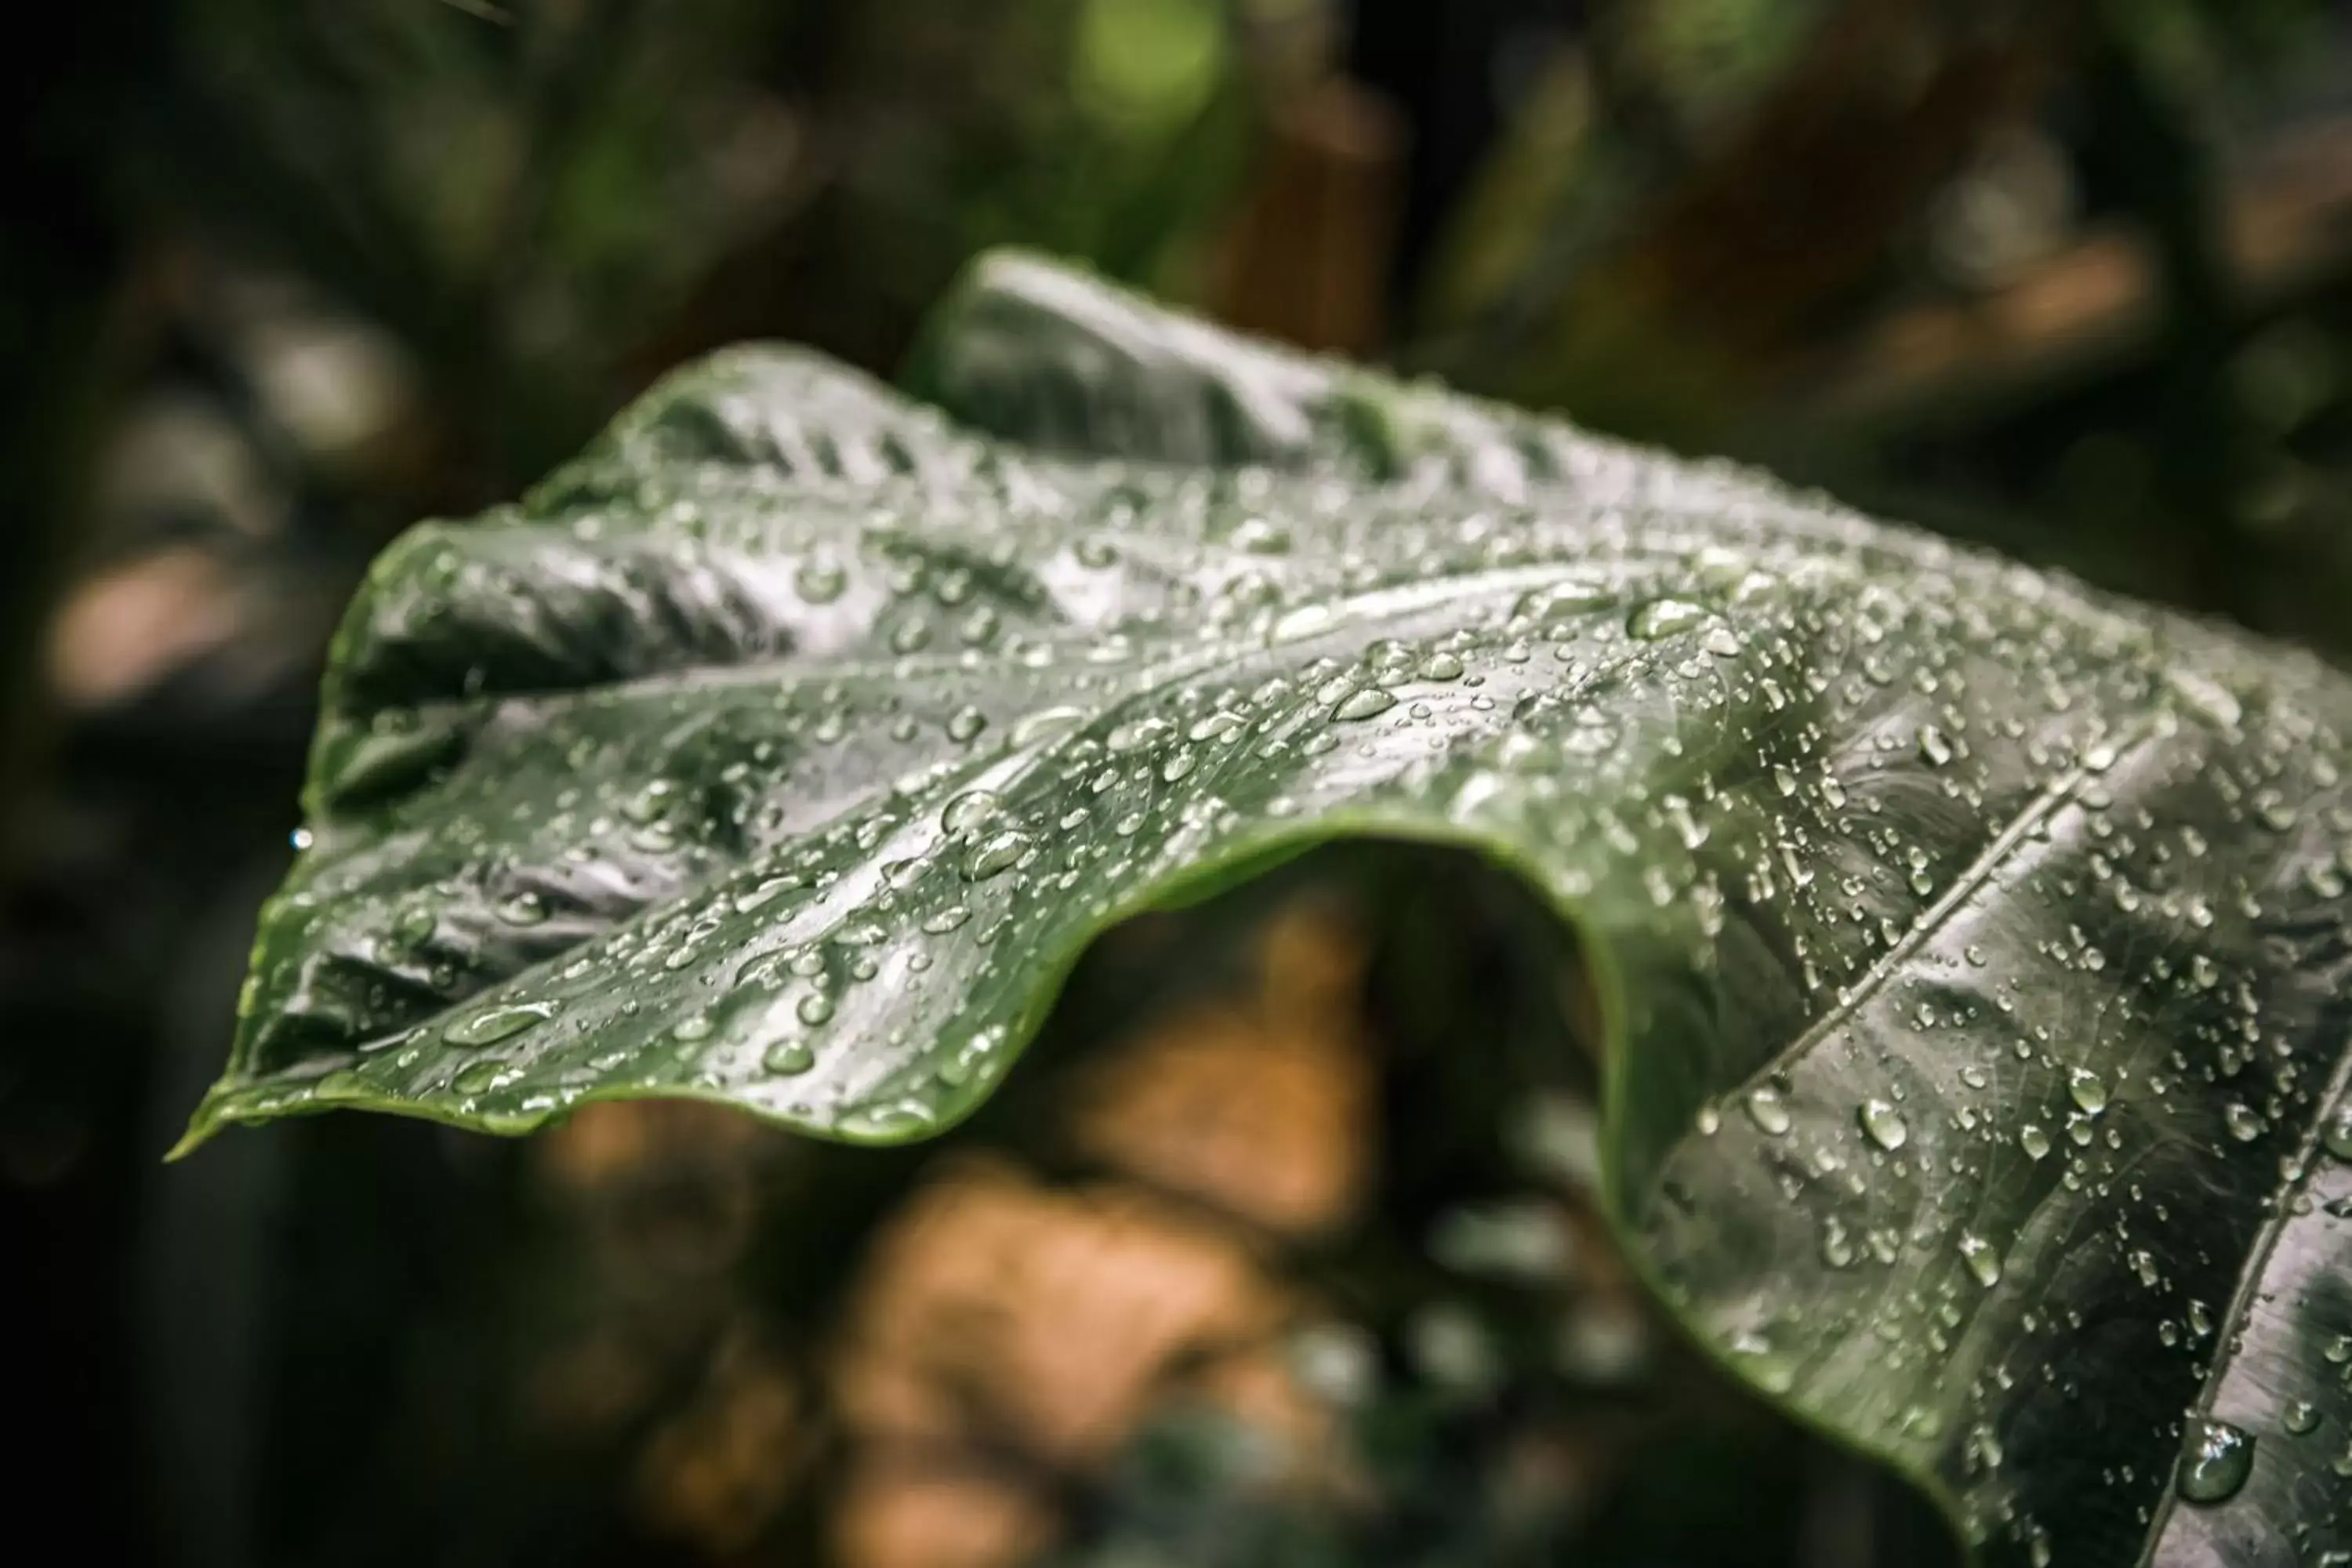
1965,948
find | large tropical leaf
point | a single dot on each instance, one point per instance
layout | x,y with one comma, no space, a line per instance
1970,949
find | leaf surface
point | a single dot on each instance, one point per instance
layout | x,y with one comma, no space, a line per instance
1972,947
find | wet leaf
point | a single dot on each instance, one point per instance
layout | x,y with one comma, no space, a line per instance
1972,947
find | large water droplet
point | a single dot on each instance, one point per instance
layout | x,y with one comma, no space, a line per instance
523,909
1766,1109
1662,618
1982,1258
491,1026
2215,1460
788,1059
2336,1137
2084,1089
996,853
969,810
1884,1123
1364,702
820,581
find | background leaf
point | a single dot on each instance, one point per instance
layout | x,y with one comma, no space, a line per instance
1967,946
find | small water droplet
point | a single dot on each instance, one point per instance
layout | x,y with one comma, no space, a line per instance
2244,1123
692,1027
2084,1089
966,723
2033,1140
1983,1260
2301,1417
814,1009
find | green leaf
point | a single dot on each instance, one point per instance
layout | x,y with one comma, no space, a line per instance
1972,947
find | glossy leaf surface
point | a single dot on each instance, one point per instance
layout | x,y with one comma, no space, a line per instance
1972,947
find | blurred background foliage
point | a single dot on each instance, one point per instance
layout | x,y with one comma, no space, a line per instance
1285,1250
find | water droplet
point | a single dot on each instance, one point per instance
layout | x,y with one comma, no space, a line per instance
2301,1417
1135,735
692,1027
1765,1109
416,926
1935,746
2084,1087
523,909
2033,1140
996,853
969,810
480,1078
2215,1460
2245,1124
965,723
2336,1139
1662,618
1363,702
1983,1260
814,1009
1441,665
788,1059
1884,1123
820,581
494,1023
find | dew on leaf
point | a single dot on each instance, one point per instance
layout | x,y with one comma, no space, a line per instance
997,852
820,581
523,909
1662,618
492,1024
1364,702
1766,1109
1883,1124
788,1059
2216,1459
